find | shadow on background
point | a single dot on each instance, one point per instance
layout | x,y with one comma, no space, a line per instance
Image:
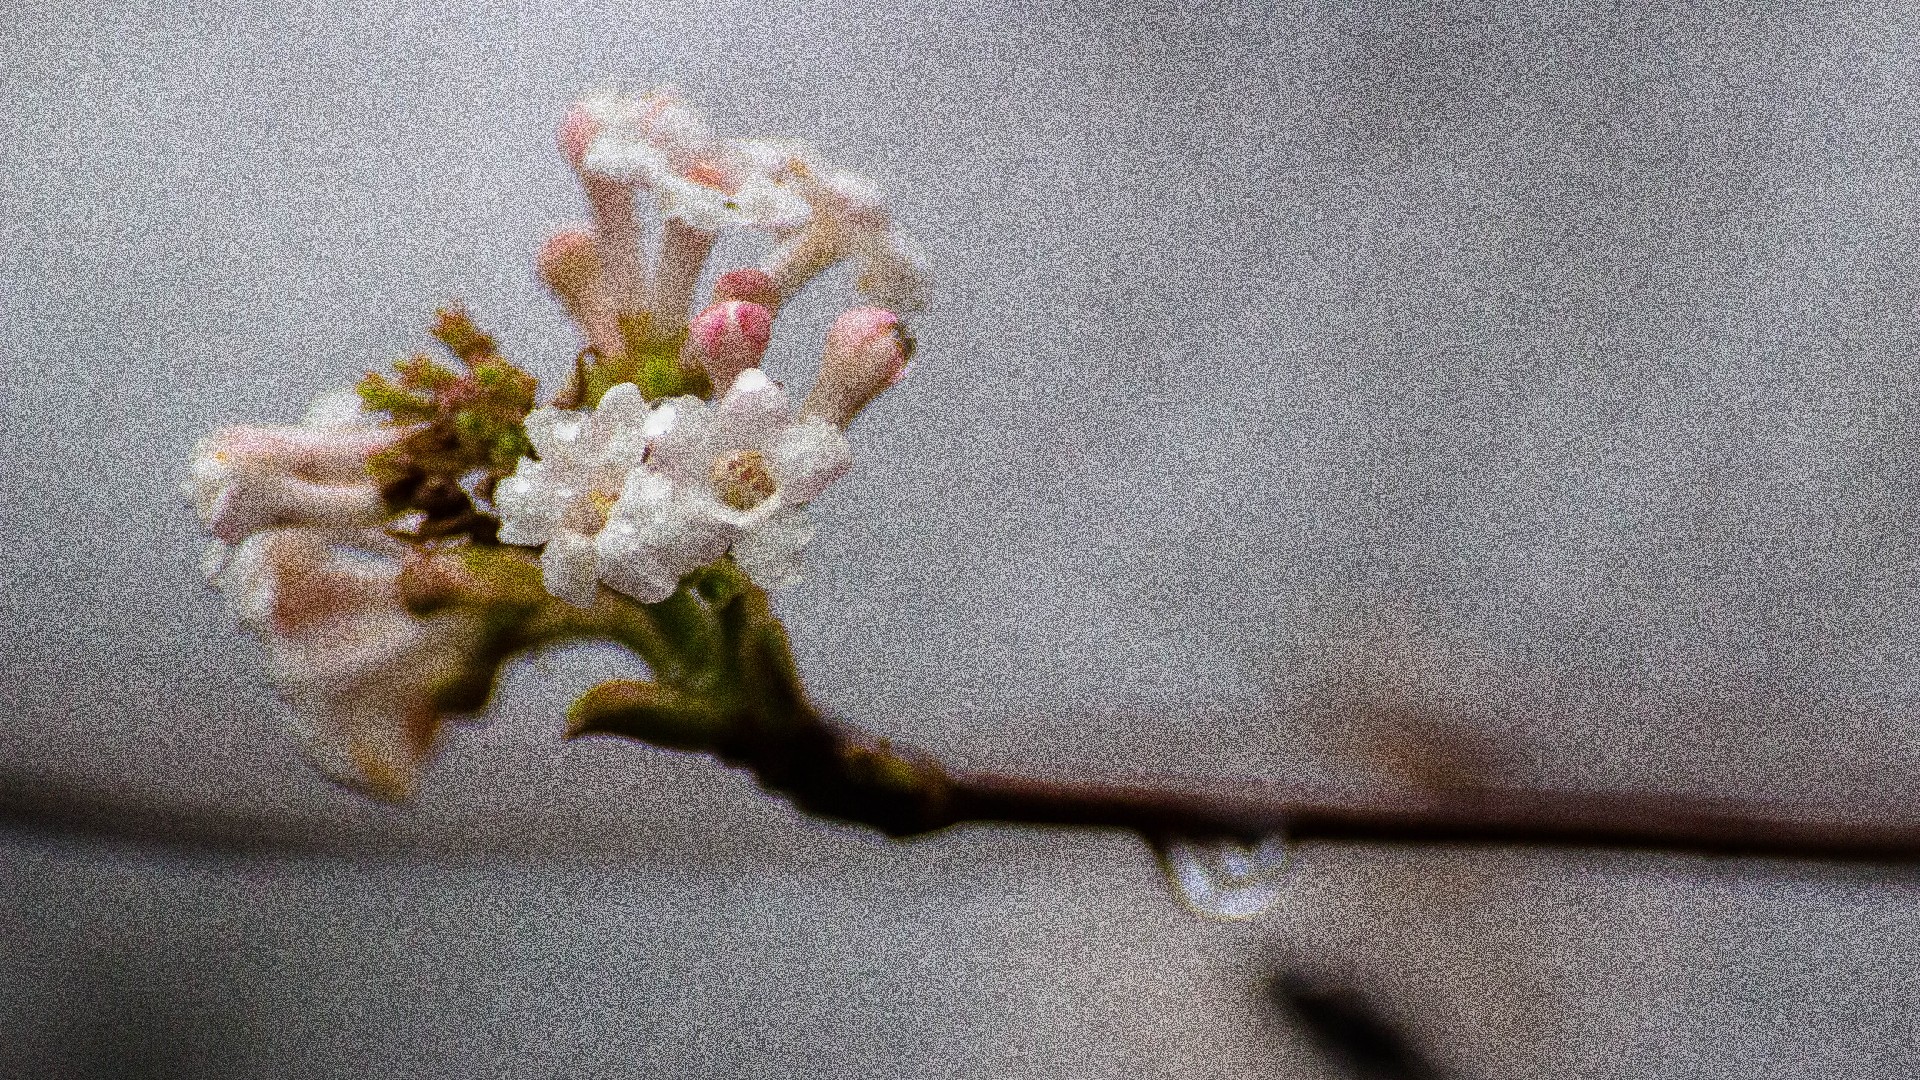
1347,1030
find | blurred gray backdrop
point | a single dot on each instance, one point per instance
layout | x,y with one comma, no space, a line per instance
1541,374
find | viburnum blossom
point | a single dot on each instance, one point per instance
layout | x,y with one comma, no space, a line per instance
393,553
367,680
657,142
701,184
734,473
243,479
848,219
562,500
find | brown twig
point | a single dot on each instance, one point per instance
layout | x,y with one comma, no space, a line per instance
1513,816
920,797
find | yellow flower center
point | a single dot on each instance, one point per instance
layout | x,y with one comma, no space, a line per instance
742,481
589,515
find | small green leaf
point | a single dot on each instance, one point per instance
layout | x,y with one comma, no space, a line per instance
647,712
421,373
467,432
456,330
379,394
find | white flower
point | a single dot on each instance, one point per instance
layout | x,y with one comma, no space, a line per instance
562,499
363,676
244,479
848,220
659,143
736,473
656,534
889,269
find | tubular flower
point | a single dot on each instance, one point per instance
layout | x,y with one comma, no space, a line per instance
738,473
867,351
848,220
563,499
658,143
368,682
700,184
244,479
569,264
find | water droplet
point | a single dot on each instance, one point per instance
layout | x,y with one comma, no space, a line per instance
1224,879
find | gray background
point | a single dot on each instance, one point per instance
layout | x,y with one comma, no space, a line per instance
1311,391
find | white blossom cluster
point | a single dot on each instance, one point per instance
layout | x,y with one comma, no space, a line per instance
630,494
635,496
820,215
304,564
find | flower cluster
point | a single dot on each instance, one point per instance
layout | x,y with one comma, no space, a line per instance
635,482
637,497
367,681
654,146
669,449
300,553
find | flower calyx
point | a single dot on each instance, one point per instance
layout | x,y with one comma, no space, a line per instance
464,432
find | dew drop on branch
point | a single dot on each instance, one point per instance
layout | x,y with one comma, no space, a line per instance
1221,878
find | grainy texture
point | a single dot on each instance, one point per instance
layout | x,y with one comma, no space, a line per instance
1539,376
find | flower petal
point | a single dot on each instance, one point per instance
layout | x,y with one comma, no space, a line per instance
555,432
809,456
630,565
770,554
569,567
755,410
529,514
681,530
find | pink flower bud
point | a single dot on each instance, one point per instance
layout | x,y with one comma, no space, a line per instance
867,351
577,132
570,265
747,283
729,337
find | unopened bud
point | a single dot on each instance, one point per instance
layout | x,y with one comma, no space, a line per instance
867,351
728,338
570,265
747,283
577,133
